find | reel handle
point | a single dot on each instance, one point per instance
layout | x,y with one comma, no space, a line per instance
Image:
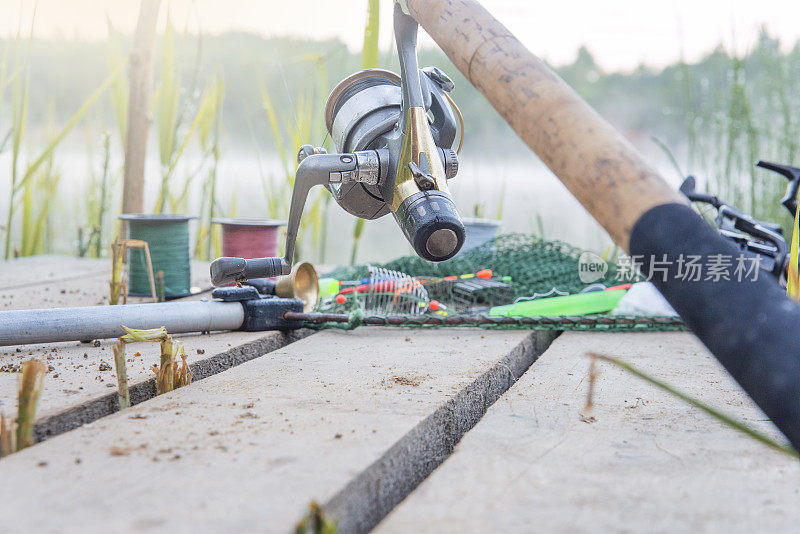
792,174
688,189
228,270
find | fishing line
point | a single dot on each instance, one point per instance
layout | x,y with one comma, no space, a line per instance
288,93
249,238
167,237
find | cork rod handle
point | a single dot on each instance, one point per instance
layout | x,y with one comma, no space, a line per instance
594,161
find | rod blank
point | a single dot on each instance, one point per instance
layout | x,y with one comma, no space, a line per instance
18,327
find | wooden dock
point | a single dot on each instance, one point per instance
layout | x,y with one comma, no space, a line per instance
451,430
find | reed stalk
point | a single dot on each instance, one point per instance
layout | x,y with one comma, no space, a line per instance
98,190
171,110
100,202
169,375
38,198
8,437
116,286
19,109
30,390
208,243
166,373
124,396
160,286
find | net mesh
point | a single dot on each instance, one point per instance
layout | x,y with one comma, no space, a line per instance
535,265
522,266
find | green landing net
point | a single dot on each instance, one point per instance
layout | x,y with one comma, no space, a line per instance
535,265
526,265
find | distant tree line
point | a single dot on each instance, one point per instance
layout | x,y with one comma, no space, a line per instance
677,104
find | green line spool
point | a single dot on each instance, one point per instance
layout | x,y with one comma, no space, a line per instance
167,236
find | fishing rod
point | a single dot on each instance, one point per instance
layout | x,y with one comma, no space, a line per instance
52,325
259,305
750,325
245,309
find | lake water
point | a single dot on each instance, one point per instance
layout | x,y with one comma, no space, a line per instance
531,192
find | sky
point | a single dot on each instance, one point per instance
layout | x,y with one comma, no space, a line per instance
621,34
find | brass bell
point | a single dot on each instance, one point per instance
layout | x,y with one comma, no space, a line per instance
303,284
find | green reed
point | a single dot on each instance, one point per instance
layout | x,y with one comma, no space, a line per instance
33,184
369,60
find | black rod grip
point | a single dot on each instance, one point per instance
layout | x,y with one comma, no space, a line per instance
750,325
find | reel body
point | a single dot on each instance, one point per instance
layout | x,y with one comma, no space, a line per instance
395,137
365,112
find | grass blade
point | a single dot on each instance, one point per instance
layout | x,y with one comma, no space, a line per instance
73,121
369,54
713,412
147,335
120,92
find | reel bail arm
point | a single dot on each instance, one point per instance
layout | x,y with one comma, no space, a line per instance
315,168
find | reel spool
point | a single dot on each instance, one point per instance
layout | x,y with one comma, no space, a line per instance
364,111
360,109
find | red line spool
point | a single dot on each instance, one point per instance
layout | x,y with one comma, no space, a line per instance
250,238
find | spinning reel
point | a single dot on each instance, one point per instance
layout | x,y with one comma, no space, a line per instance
395,137
761,239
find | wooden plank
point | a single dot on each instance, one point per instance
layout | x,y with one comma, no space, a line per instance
351,419
640,461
